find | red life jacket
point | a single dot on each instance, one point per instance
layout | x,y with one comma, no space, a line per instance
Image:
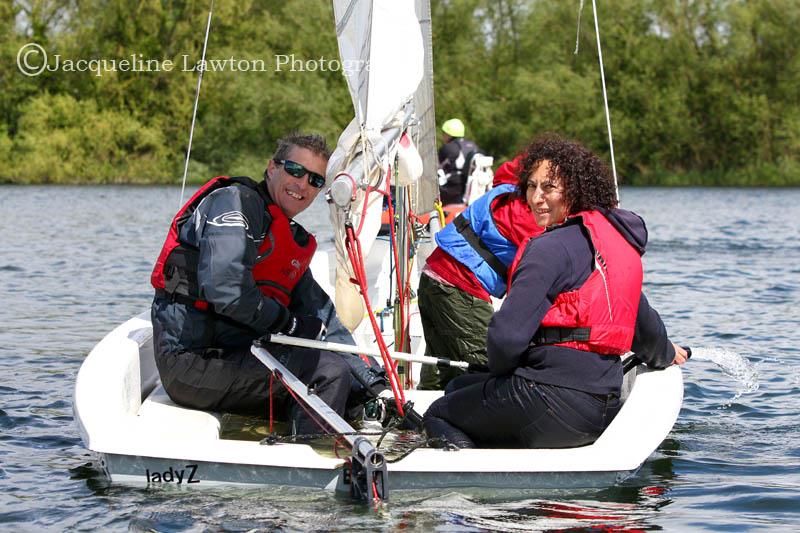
275,274
599,316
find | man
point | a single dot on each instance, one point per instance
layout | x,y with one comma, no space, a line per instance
234,268
455,157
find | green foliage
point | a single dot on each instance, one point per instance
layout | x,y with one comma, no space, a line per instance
246,112
5,156
64,140
701,92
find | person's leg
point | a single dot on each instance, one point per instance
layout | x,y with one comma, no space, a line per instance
572,418
216,380
516,412
236,382
486,413
455,325
441,420
327,376
428,295
465,380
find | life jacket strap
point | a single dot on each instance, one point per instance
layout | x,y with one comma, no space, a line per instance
273,285
184,299
462,225
554,335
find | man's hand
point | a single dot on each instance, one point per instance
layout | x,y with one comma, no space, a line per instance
304,326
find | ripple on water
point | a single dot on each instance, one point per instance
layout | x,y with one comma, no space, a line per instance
25,516
9,422
719,246
537,514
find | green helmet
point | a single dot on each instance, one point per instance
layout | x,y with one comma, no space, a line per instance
453,127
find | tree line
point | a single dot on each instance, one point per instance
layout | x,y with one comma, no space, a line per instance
702,92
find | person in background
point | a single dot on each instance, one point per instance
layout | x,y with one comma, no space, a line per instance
574,306
466,269
455,156
234,267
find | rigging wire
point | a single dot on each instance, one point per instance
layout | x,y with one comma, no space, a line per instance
605,97
196,100
578,31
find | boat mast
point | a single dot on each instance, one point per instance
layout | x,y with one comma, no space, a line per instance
401,337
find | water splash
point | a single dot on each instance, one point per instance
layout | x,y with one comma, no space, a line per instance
732,364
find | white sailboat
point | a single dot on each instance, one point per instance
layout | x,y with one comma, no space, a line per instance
141,436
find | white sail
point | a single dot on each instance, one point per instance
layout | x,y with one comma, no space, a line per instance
385,50
381,48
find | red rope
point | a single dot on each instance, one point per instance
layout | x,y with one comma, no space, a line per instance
376,498
354,252
355,255
353,246
366,199
336,443
363,212
271,379
369,190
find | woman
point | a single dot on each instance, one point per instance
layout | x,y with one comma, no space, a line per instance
574,306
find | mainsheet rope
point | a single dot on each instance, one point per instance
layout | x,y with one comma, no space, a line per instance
353,247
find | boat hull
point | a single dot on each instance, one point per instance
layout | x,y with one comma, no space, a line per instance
136,470
142,437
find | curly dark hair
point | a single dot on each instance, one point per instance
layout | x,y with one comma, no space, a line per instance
588,183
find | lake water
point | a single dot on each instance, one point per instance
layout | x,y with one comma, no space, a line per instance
722,267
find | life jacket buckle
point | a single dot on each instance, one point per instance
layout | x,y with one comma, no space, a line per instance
171,279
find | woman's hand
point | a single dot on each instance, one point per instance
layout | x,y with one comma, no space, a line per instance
680,355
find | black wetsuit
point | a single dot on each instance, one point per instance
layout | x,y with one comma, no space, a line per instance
204,358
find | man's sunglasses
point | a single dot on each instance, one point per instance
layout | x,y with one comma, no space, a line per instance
298,171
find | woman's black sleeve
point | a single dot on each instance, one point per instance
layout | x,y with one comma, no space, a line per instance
650,342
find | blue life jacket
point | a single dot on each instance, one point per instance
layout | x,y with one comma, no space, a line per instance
474,241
